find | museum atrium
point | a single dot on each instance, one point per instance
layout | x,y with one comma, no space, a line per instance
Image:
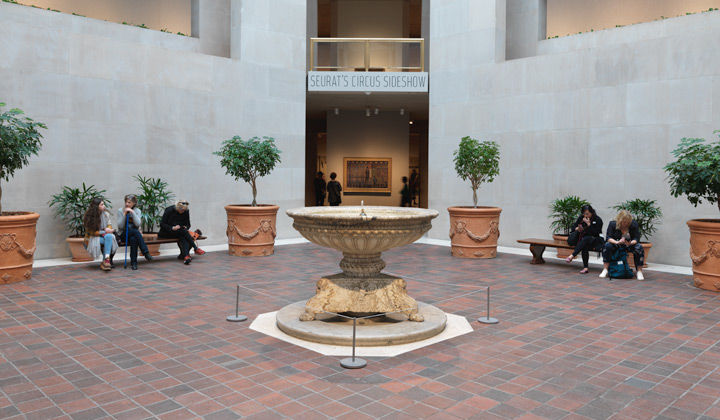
482,209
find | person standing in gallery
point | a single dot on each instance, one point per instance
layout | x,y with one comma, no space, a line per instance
333,189
413,186
405,199
320,188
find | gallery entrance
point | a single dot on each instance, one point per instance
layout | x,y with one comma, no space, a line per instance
370,148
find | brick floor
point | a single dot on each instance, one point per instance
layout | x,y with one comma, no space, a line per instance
76,342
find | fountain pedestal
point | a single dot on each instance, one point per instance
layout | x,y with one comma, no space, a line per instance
362,234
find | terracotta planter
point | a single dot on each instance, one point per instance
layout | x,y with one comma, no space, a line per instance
17,246
154,249
646,247
705,253
562,252
474,232
78,251
251,230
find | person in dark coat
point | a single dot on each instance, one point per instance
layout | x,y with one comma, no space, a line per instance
623,232
405,198
320,188
175,224
333,190
586,236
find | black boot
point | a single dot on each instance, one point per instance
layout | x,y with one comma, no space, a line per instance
147,255
133,265
112,264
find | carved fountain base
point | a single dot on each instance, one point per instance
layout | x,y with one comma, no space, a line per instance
380,293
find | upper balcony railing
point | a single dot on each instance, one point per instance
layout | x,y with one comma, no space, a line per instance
367,54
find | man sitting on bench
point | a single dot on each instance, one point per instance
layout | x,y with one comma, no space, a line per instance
175,224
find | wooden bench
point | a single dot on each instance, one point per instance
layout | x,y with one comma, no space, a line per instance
537,247
159,241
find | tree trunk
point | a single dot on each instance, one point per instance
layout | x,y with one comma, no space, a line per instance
254,192
475,197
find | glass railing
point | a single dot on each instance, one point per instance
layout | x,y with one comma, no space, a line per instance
367,54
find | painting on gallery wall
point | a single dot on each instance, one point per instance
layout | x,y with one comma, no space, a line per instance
367,175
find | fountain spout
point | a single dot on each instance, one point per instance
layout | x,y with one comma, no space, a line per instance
362,209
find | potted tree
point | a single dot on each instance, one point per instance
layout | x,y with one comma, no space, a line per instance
474,230
563,213
152,200
20,138
646,213
251,227
70,206
696,174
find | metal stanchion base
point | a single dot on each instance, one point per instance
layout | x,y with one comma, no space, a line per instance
349,363
486,320
236,318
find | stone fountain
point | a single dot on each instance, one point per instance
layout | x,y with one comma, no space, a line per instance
361,234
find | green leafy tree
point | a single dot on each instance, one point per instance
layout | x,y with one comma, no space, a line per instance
563,213
696,171
153,198
477,162
19,139
71,204
645,212
249,159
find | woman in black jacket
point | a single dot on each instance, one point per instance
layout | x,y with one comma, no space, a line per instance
586,236
175,224
623,232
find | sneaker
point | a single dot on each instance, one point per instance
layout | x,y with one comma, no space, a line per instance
199,251
604,273
640,276
105,265
187,260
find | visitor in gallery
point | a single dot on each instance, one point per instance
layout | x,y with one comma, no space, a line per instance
320,188
131,217
405,199
175,224
99,233
414,186
333,190
623,232
585,236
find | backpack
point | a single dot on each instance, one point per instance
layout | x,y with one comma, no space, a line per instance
618,268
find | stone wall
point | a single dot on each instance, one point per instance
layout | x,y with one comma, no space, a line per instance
595,115
120,100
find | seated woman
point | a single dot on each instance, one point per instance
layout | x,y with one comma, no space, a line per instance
99,237
623,232
133,223
175,223
586,236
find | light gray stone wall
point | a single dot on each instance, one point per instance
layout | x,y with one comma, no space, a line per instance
595,115
120,100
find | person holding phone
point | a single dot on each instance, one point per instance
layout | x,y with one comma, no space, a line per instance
585,236
175,224
623,232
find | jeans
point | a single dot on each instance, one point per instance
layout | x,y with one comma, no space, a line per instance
637,251
135,240
584,246
106,243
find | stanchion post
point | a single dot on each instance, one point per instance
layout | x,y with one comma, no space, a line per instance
487,319
352,362
237,317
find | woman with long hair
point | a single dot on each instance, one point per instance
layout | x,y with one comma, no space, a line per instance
99,233
623,232
586,236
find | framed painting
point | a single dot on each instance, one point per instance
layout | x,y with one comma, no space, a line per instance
367,175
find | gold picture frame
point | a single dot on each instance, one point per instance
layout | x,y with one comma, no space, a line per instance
367,175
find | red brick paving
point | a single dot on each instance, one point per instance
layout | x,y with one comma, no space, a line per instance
79,343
